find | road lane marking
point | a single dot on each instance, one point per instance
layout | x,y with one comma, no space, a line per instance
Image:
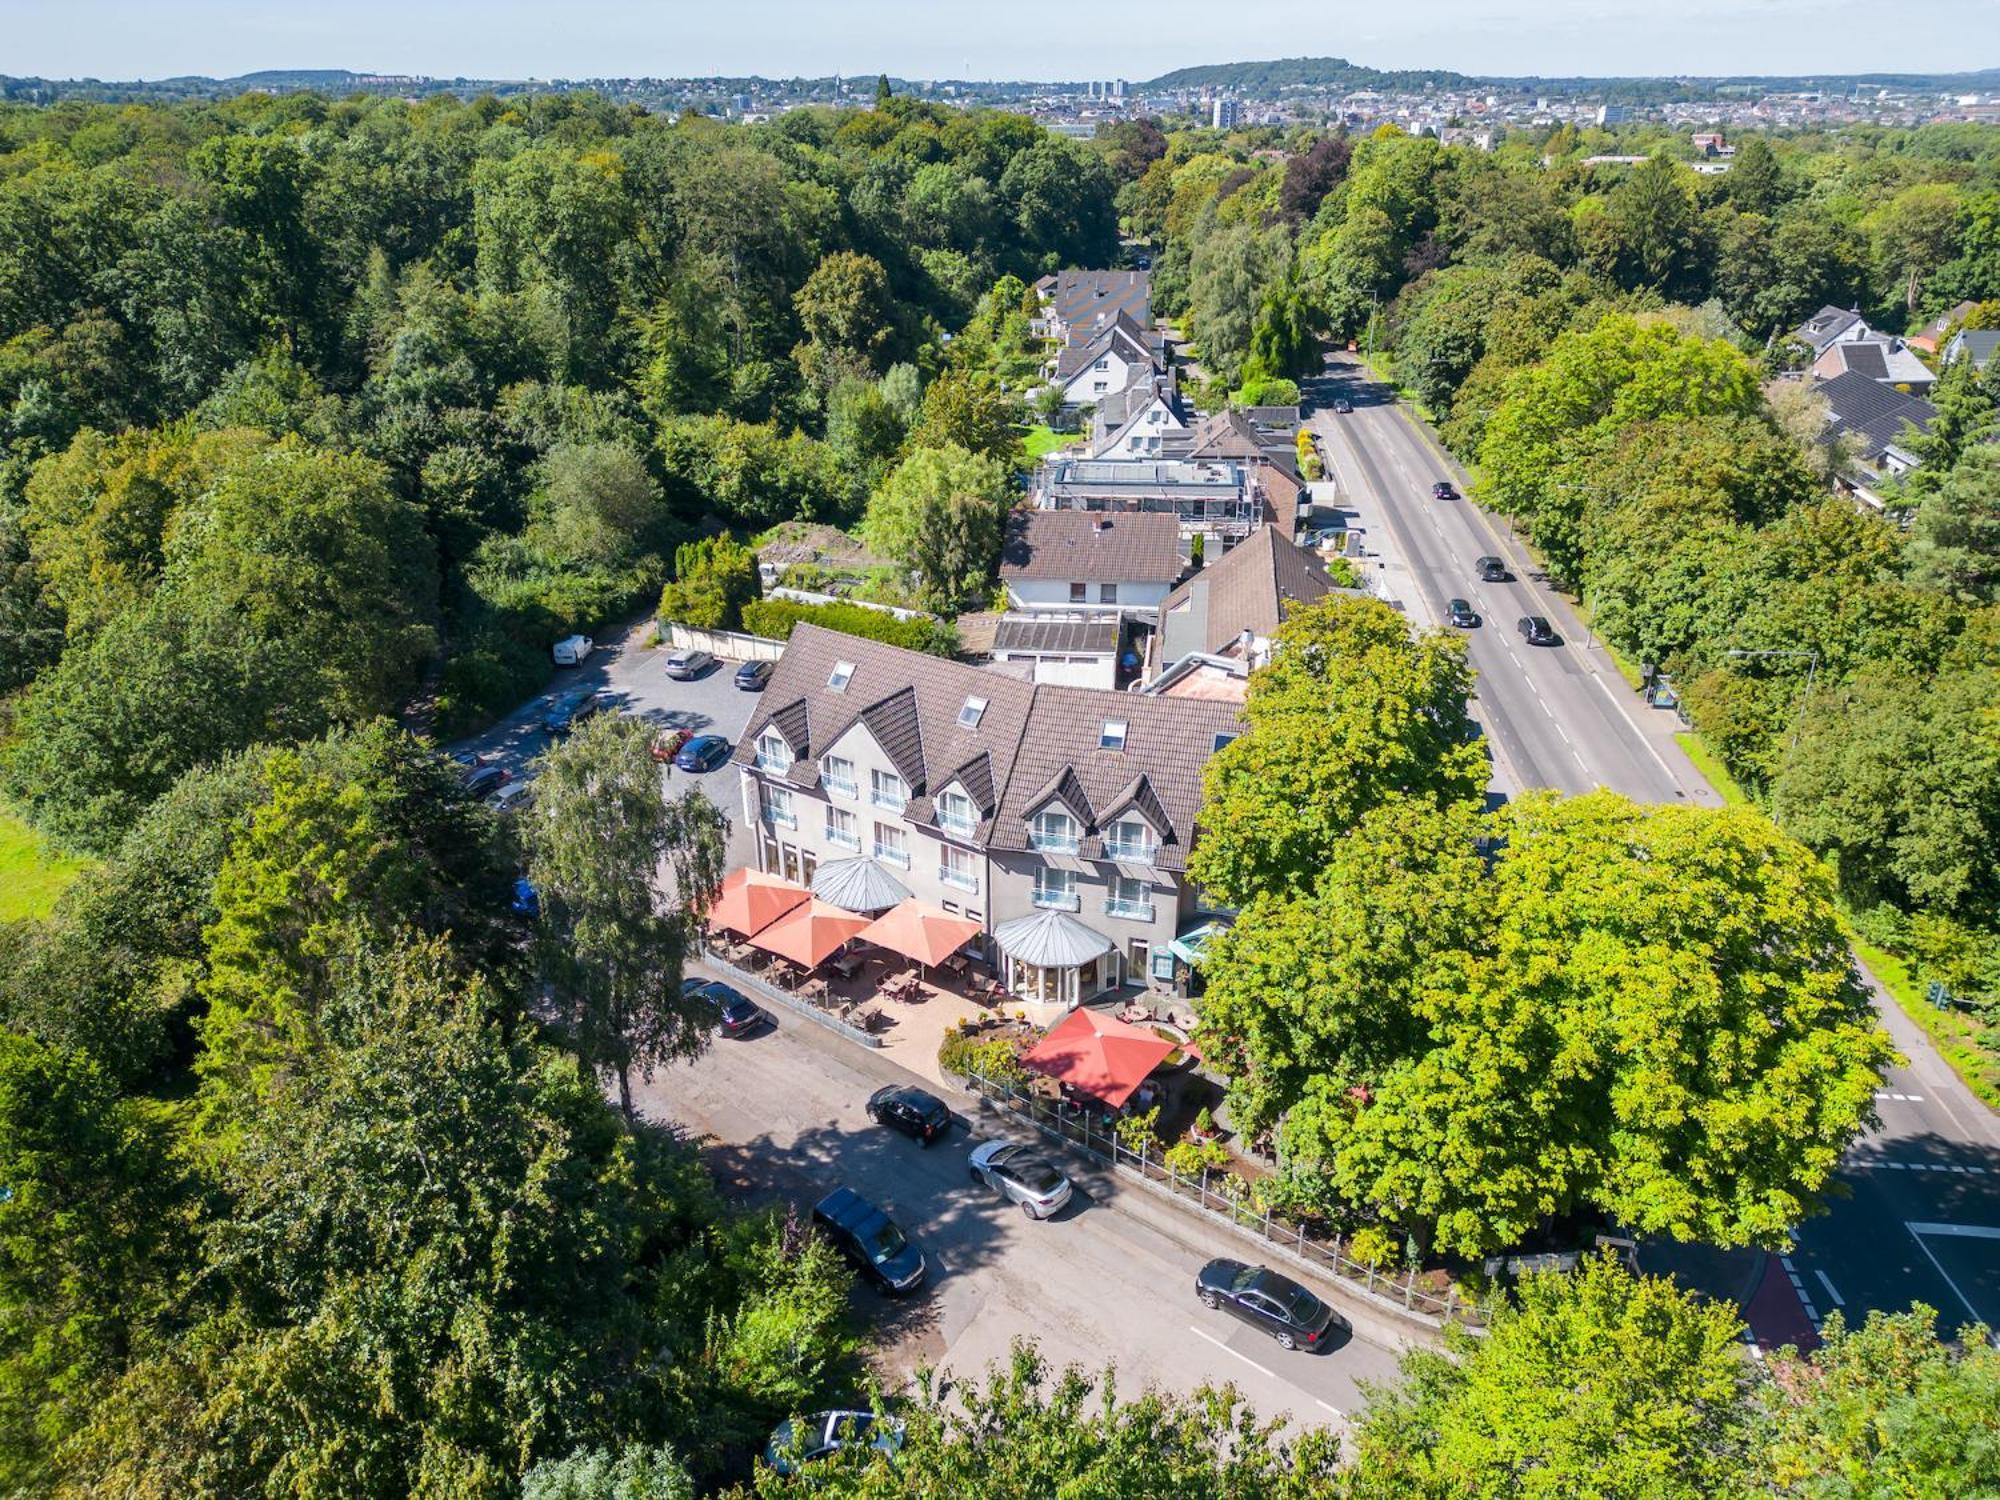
1334,1409
1227,1350
1900,1098
1962,1231
1916,1166
1838,1300
1799,1287
1939,1268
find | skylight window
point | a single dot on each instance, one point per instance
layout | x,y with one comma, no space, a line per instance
842,670
969,715
1113,737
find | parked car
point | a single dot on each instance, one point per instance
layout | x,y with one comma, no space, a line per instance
736,1014
805,1439
573,651
527,900
870,1239
515,796
1343,406
752,675
1017,1174
467,761
1537,631
1460,614
702,753
685,666
1491,570
578,713
561,713
1442,490
1274,1304
667,743
922,1116
487,780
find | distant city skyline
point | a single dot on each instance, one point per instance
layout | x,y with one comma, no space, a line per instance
1027,39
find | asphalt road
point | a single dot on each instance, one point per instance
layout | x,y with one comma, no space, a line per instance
1915,1213
1109,1279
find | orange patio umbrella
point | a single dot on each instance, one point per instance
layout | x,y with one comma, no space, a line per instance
1099,1055
752,900
918,931
809,933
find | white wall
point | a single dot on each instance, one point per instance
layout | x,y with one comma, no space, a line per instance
1051,595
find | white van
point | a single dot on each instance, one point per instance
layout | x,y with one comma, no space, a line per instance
574,651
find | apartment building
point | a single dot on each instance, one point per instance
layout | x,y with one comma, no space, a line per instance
989,797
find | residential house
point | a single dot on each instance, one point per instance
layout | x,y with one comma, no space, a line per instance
1975,344
1137,421
1221,501
1870,422
1080,650
988,797
1934,333
1830,325
1075,301
1232,436
1067,561
1878,356
1230,610
1113,357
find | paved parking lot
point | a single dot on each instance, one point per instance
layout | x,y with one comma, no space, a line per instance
635,678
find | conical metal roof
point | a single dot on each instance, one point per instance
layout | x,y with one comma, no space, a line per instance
858,885
1051,940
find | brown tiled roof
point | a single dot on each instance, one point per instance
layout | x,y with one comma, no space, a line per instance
1049,633
1091,548
1167,740
1121,336
909,701
1029,741
1248,588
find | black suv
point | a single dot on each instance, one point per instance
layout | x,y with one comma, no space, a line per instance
1460,614
921,1116
736,1014
1537,631
1265,1300
1442,490
1491,570
753,675
870,1239
566,713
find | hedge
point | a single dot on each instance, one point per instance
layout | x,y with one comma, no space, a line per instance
774,619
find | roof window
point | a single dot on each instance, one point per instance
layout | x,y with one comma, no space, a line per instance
1113,735
837,679
969,714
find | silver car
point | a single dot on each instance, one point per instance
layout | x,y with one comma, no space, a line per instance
1022,1177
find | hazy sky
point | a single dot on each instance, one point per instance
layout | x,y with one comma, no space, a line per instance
985,38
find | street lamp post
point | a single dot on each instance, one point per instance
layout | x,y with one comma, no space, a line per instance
1812,666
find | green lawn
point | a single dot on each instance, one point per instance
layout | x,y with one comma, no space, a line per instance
1705,761
31,876
1044,440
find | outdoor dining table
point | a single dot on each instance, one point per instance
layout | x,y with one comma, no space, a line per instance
958,963
847,965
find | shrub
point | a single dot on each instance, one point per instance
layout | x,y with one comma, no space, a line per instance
1372,1247
1204,1122
1345,574
774,619
1139,1132
966,1053
1270,391
713,579
1190,1158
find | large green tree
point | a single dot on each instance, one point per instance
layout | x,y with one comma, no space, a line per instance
940,515
601,838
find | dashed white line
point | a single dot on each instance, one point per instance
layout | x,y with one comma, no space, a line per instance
1919,1166
1900,1098
1799,1287
1227,1350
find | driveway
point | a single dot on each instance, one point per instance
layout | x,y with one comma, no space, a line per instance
635,678
1109,1280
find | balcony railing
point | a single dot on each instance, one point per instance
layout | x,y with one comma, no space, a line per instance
1140,911
1054,843
843,838
890,854
889,799
963,879
961,826
780,817
1139,853
1058,900
840,786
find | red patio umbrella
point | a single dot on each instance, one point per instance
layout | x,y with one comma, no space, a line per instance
918,931
809,933
1099,1055
752,900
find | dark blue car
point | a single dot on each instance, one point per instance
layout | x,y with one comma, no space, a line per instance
702,753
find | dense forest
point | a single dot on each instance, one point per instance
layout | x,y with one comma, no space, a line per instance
322,419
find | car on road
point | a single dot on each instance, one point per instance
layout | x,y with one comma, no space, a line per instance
1343,406
752,675
573,651
467,761
487,780
1537,631
1021,1176
702,753
917,1114
736,1014
1460,615
1490,570
1442,490
802,1440
685,666
1271,1303
563,718
870,1239
667,743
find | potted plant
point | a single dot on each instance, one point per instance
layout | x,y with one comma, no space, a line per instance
1203,1128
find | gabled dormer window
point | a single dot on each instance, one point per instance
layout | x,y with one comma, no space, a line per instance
1132,840
955,813
1054,831
773,754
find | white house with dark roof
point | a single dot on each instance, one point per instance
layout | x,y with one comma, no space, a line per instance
1067,561
1112,358
1879,356
988,797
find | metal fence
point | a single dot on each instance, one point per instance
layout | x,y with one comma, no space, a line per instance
1210,1194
